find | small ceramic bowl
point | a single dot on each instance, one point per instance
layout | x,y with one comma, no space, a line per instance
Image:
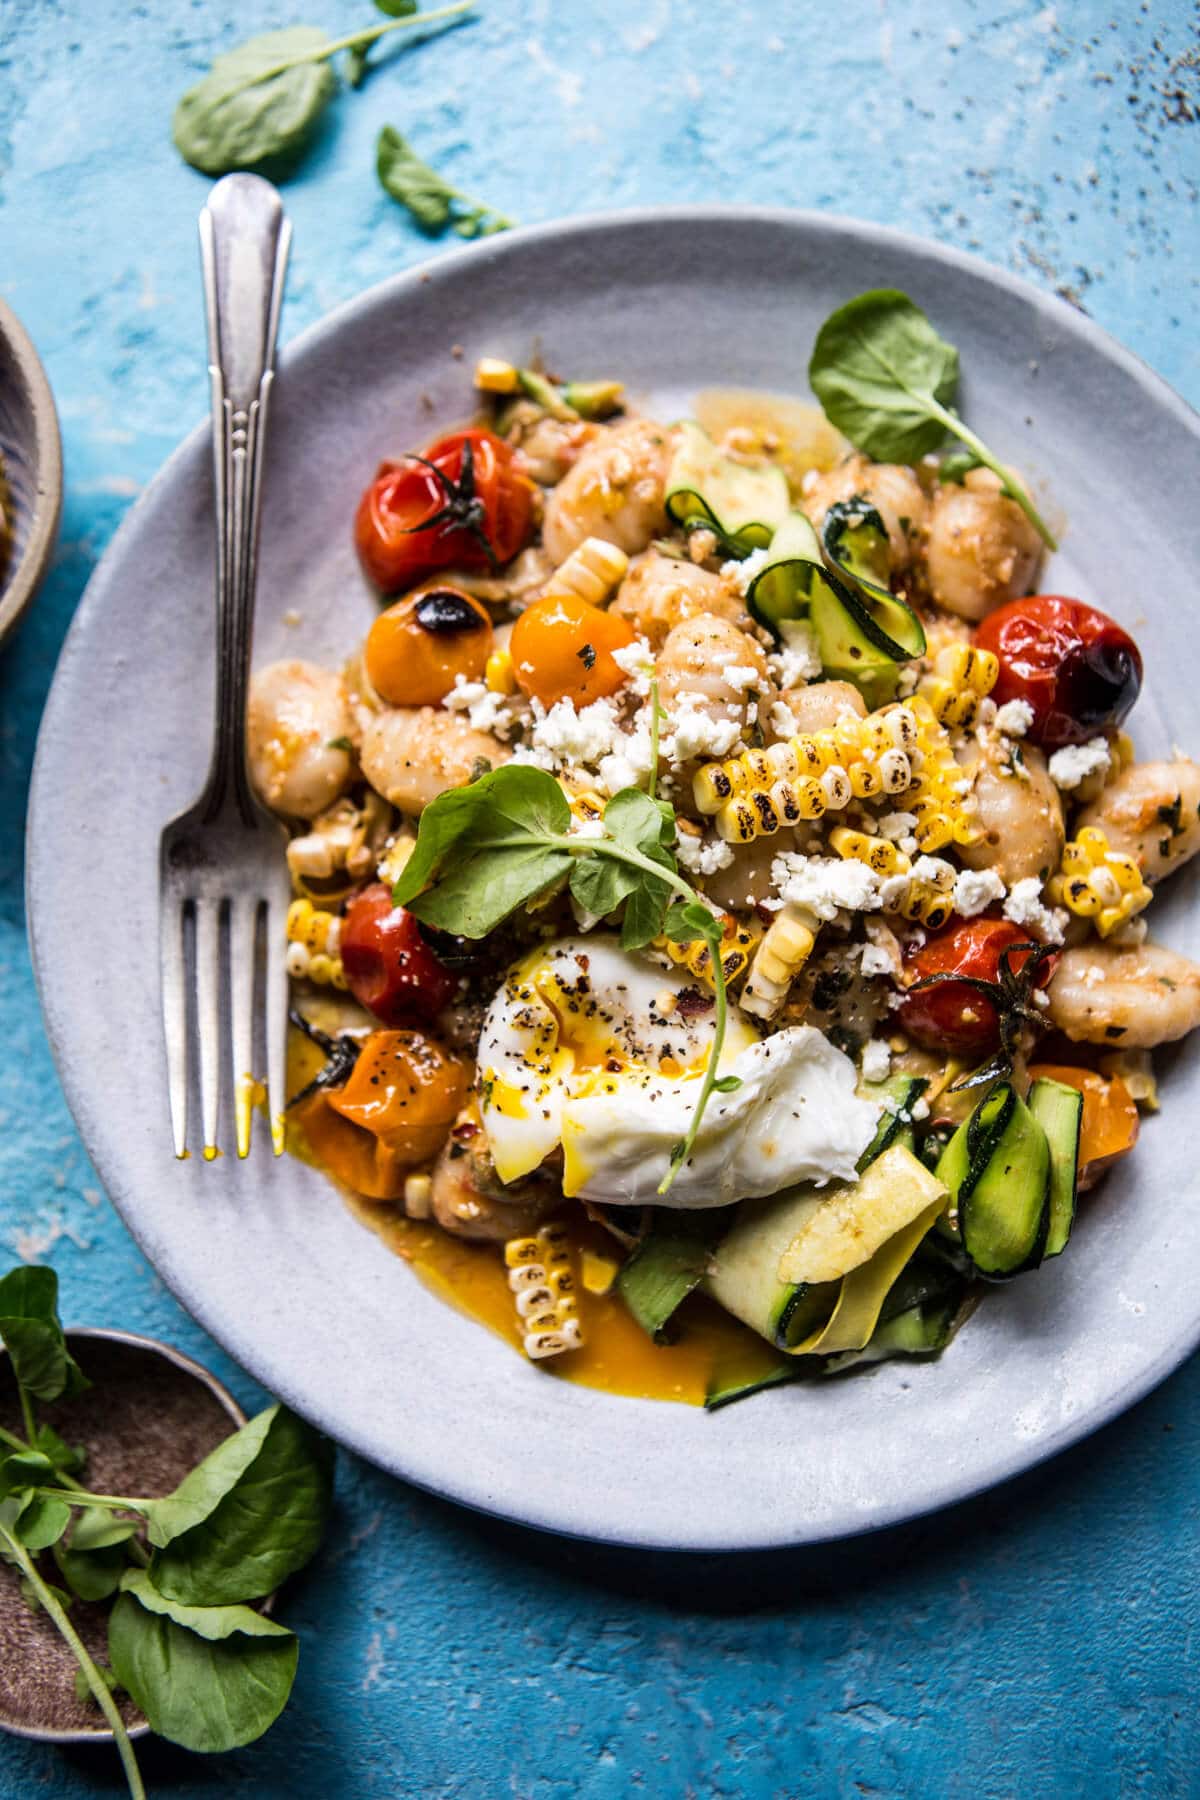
31,479
149,1417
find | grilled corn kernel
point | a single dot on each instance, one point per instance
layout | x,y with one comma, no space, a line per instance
495,377
878,853
1097,883
418,1194
592,571
313,939
394,857
783,952
736,945
837,787
542,1284
498,672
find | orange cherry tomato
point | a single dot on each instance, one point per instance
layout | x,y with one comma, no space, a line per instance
357,1158
415,649
1110,1123
562,650
405,1090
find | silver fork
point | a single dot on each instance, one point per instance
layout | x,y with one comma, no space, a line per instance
222,875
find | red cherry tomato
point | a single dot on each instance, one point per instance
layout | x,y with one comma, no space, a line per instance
389,967
1073,664
951,1015
470,484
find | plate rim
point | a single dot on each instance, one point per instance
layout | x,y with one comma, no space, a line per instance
957,1486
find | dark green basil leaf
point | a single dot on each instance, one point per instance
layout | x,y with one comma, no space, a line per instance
68,1459
25,1469
264,1526
33,1335
484,848
412,182
41,1522
644,912
92,1559
688,921
884,376
211,1622
632,817
240,114
957,464
208,1695
600,884
203,1489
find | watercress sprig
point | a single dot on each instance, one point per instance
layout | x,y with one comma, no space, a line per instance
888,382
432,202
207,1670
261,100
485,851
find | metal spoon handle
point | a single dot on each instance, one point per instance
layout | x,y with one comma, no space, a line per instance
244,242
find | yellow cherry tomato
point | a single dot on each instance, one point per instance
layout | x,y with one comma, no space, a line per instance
562,650
417,647
405,1090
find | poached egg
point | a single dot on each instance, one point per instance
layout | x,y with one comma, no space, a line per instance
602,1051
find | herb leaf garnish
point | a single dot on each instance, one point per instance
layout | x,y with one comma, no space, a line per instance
888,381
206,1669
486,850
433,203
261,101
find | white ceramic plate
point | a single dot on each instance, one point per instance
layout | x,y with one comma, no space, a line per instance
263,1253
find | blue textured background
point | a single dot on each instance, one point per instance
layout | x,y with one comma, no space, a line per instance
1037,1642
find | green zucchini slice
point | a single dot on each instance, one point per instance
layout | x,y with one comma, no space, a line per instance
811,1268
1058,1109
855,541
897,1095
668,1263
706,490
997,1168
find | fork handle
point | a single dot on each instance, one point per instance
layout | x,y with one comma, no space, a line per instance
244,242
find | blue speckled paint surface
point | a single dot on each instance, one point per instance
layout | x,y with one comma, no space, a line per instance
1040,1641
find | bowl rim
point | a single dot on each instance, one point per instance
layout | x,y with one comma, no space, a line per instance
955,1487
17,594
133,1340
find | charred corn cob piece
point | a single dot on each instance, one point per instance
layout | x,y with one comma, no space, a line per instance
1097,883
962,676
754,794
592,571
543,1289
736,946
314,936
783,952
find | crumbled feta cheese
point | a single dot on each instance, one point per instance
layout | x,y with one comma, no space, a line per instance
893,891
1071,766
693,731
743,677
935,870
580,735
875,960
920,1109
486,710
824,884
588,828
985,718
798,659
1024,906
637,661
1014,718
896,825
743,573
783,721
703,856
876,1061
975,890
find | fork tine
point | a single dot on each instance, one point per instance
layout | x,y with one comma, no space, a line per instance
174,1004
243,928
208,1018
275,1000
